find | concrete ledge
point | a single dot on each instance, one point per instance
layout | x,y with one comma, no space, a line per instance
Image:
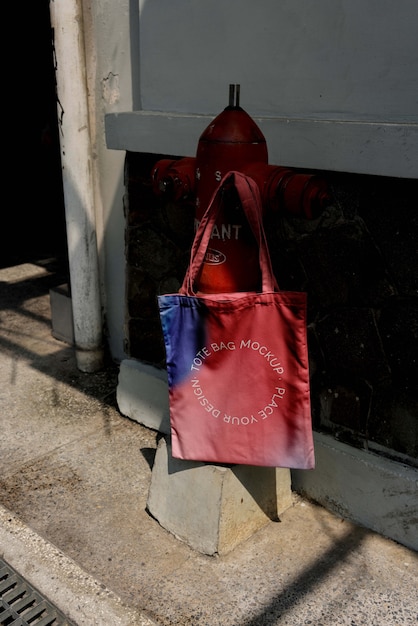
370,147
142,395
368,489
364,487
213,508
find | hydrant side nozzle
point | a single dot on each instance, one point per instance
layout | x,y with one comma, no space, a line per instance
174,178
317,199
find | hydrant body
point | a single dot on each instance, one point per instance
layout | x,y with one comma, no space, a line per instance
233,141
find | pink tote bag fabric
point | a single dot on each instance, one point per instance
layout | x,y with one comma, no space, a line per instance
237,363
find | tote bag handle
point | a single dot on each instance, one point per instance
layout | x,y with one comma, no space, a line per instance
250,199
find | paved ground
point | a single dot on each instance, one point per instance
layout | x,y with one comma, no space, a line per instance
74,479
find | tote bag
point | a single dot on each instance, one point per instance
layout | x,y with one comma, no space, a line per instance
237,363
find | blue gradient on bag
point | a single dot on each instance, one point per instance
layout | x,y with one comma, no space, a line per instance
184,333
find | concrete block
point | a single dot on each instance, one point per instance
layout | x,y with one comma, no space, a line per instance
62,314
213,508
363,487
142,395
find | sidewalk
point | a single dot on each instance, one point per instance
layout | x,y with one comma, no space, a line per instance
74,479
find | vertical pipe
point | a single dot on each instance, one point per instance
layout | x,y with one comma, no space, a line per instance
77,167
234,92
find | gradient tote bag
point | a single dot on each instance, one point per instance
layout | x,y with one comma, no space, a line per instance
237,363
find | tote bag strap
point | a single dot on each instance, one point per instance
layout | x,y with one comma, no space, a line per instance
249,196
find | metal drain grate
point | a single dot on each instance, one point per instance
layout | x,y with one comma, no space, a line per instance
22,605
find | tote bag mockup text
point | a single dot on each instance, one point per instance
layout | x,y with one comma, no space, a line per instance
237,363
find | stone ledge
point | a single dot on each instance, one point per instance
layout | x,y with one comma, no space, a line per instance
142,395
370,147
363,487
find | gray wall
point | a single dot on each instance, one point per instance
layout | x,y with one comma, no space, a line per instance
329,59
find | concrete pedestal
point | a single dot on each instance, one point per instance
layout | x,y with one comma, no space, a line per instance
213,508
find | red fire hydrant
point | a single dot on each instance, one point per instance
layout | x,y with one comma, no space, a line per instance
233,141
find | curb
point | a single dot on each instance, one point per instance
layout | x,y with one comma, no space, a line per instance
78,595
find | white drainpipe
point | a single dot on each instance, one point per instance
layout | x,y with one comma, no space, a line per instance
77,170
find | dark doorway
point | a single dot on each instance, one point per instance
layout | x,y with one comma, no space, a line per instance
32,227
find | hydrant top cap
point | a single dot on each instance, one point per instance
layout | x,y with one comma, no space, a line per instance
233,125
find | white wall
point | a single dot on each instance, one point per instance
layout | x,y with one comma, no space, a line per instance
108,58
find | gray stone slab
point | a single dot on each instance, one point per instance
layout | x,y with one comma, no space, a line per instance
364,487
142,394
